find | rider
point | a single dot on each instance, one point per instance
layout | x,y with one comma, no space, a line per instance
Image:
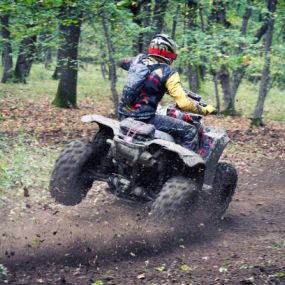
162,78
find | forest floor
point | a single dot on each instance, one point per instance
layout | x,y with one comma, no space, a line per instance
107,241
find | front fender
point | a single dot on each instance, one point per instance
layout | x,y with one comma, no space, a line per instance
189,158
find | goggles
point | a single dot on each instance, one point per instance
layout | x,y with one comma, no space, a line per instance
166,54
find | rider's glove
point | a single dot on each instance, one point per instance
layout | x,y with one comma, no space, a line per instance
209,109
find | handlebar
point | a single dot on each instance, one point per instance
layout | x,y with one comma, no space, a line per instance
196,97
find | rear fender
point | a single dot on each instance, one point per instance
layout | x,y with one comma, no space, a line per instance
190,159
103,122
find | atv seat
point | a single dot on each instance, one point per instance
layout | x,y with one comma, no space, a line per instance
137,129
163,136
142,131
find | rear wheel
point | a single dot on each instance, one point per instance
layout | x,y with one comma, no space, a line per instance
75,168
177,196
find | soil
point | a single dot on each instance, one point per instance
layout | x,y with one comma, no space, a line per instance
104,240
109,241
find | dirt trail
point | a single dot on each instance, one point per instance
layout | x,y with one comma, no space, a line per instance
114,241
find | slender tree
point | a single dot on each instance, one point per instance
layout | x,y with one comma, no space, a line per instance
159,15
70,31
193,70
112,63
46,50
136,9
175,20
28,45
147,22
59,63
218,14
231,82
26,55
7,49
265,78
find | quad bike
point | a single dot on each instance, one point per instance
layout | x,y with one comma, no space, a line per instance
143,164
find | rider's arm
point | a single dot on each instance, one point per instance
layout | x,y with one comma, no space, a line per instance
126,63
175,90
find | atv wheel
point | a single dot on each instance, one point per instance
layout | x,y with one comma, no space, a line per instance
223,188
72,176
177,196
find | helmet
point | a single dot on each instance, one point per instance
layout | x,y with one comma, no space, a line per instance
163,46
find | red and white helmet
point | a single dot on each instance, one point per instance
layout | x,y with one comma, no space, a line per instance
163,46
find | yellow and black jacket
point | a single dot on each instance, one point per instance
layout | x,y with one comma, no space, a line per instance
161,79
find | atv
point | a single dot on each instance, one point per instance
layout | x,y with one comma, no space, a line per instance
142,164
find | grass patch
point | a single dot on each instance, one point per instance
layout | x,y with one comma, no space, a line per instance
92,87
274,108
24,164
40,85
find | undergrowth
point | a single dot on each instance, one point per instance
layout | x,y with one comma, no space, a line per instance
24,164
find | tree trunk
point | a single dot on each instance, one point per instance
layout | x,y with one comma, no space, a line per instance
59,63
218,104
66,92
264,84
104,70
235,82
135,8
193,78
47,57
238,74
174,23
7,50
201,18
146,7
230,84
245,19
218,14
26,55
159,13
224,77
193,73
112,63
46,50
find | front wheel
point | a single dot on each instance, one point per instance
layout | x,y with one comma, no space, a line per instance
224,186
177,196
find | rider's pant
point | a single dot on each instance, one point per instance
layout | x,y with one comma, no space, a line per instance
184,133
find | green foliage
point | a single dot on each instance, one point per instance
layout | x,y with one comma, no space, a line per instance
278,274
208,46
3,270
223,269
257,122
205,43
98,282
160,268
184,267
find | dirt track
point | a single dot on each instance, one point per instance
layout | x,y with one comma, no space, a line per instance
113,241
